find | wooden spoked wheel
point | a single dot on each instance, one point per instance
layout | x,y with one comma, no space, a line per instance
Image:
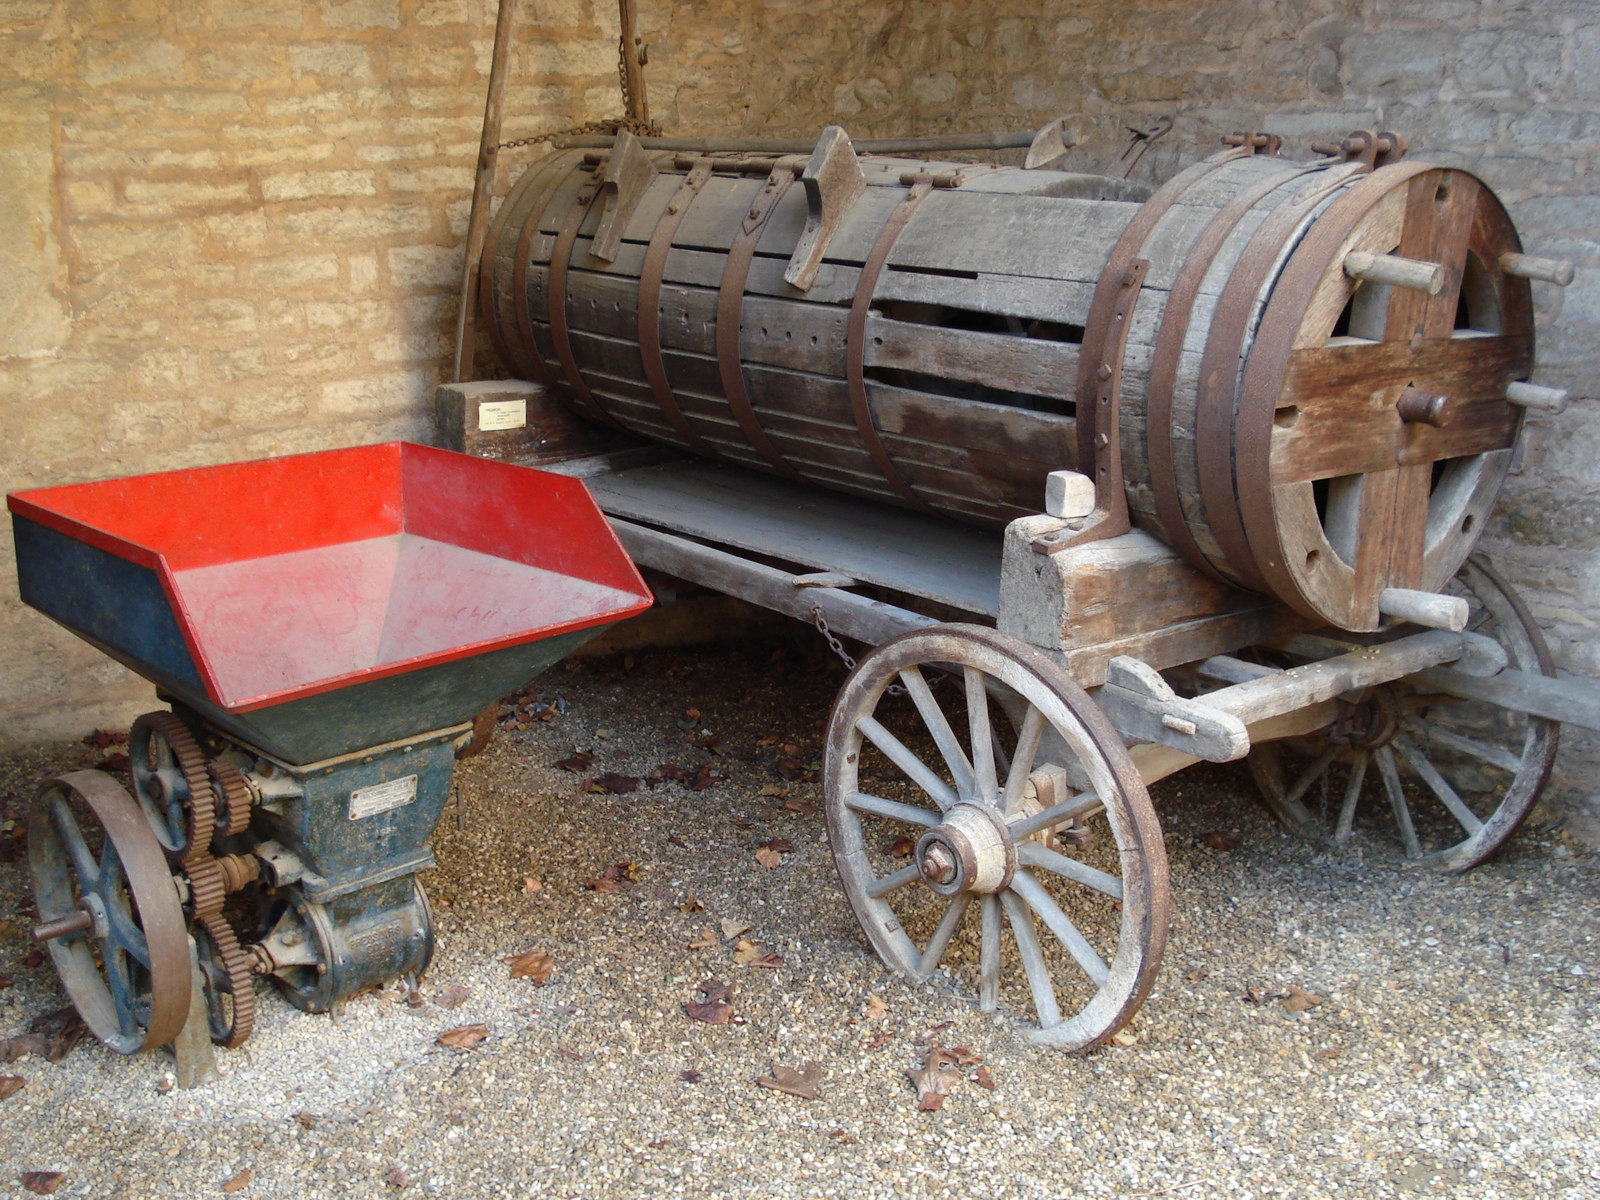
1016,852
101,879
1344,487
1456,777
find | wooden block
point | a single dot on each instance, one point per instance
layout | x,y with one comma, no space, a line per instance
512,421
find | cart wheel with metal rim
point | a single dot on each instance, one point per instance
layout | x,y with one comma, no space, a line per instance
109,911
1038,823
1457,775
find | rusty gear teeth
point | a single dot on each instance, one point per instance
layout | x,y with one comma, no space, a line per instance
233,798
208,887
186,753
230,1031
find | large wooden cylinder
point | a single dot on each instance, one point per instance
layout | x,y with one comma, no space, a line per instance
1291,418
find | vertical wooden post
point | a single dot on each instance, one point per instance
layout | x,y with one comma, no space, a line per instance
633,65
482,192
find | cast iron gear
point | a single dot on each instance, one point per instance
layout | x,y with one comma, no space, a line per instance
208,888
183,825
228,981
234,797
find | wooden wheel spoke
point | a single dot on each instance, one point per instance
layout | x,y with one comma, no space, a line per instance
892,809
937,944
985,786
1397,801
1492,755
884,884
1033,963
1438,785
1084,804
1034,855
1311,774
1352,795
1040,900
902,757
1022,760
989,955
938,724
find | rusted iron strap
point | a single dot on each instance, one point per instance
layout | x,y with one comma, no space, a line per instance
1215,409
491,243
855,355
1098,393
730,305
523,347
1269,360
650,275
560,258
1169,348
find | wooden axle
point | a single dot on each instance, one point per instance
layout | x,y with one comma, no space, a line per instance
1432,609
1399,272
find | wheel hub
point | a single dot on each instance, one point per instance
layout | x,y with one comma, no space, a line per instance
969,851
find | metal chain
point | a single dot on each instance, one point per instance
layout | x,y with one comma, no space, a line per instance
611,125
821,622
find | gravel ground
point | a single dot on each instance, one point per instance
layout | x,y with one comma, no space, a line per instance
1455,1053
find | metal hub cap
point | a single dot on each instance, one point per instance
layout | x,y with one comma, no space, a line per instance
969,851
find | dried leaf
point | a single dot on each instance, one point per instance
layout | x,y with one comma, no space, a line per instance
1328,1052
614,784
703,940
772,789
114,762
10,1085
984,1078
901,847
744,953
602,885
534,965
530,885
13,1048
1221,841
767,739
878,1038
934,1081
62,1030
577,764
454,995
306,1120
791,1082
1196,974
1123,1038
42,1183
665,772
464,1037
704,777
843,1138
1255,995
691,904
1298,1000
239,1182
708,742
35,959
789,768
965,1056
397,1179
689,1076
803,808
691,714
717,1006
789,748
770,961
769,858
877,1010
781,845
732,928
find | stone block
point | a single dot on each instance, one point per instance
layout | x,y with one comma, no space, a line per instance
425,266
1397,59
176,194
361,14
357,225
130,60
308,185
343,60
33,317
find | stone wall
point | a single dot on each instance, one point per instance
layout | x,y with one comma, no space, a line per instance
233,230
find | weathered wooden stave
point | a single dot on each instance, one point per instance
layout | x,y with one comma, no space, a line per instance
797,390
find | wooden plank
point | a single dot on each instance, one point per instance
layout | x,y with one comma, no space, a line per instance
1065,301
1012,235
1573,701
1337,411
870,621
1021,364
906,551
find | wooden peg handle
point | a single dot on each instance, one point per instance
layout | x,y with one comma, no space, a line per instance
1552,270
1400,272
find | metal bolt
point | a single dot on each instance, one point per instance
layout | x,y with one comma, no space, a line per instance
938,864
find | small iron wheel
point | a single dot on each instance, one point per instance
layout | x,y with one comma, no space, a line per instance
929,827
109,911
227,981
1458,776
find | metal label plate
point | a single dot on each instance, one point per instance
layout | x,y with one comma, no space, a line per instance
502,414
382,797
